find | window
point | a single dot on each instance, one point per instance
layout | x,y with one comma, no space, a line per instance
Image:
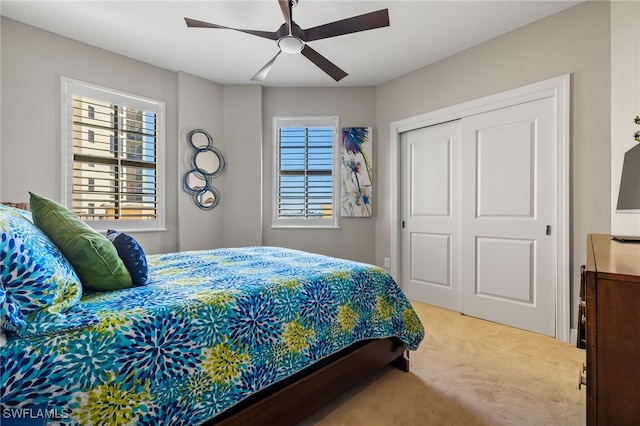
305,172
112,157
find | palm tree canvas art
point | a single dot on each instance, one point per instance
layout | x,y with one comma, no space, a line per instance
357,172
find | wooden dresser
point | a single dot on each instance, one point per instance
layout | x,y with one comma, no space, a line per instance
612,331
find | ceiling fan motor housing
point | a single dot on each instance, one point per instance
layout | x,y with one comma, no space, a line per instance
290,44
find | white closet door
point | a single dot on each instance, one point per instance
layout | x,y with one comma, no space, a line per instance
431,205
478,204
509,209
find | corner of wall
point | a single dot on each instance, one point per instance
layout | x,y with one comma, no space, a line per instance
242,133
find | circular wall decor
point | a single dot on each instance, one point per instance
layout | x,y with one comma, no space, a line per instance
207,162
199,139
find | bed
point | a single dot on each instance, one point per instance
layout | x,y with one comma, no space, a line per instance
249,335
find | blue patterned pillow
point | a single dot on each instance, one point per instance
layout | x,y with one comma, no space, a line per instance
26,214
40,289
131,254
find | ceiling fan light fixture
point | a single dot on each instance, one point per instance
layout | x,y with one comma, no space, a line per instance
291,44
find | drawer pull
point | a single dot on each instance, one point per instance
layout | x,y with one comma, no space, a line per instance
582,377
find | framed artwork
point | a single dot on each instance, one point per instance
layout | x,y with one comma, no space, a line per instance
357,172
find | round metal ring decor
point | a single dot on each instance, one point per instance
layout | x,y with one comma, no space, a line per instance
207,162
195,139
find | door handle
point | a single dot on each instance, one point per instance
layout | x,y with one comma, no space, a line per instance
548,229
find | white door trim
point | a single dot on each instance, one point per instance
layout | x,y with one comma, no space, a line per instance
559,89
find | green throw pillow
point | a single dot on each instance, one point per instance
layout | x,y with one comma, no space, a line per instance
92,255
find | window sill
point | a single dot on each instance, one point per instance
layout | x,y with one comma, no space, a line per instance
305,227
130,230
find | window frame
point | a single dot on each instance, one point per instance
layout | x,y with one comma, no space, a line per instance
70,88
306,121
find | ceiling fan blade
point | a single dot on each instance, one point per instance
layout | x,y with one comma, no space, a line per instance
262,74
285,6
368,21
323,63
194,23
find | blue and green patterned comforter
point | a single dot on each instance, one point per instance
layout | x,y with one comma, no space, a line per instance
211,328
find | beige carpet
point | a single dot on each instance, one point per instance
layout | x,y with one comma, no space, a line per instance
469,372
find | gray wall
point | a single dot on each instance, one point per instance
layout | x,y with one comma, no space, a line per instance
575,41
243,197
625,101
32,63
199,107
355,107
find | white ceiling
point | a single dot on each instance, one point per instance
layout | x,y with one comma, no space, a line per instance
420,32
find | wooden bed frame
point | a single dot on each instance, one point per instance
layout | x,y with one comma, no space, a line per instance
295,399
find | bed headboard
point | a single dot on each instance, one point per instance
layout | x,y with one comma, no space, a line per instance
21,206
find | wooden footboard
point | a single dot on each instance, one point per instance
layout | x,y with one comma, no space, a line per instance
297,400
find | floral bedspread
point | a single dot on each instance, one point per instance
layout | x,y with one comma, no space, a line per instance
210,329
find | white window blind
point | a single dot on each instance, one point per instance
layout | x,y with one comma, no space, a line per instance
305,171
113,164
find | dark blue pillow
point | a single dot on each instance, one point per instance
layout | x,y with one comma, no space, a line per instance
131,254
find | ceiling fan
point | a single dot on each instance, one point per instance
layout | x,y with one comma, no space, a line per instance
292,39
